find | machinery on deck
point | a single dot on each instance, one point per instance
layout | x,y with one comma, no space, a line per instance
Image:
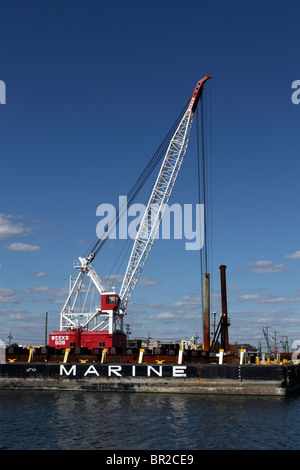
102,325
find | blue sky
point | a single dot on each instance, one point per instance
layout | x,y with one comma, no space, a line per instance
91,90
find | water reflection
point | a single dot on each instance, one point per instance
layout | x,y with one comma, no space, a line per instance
91,420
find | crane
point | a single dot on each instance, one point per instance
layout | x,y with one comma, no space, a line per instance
103,325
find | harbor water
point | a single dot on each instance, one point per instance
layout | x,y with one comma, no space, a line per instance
67,420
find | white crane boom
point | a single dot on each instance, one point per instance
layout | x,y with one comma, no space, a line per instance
159,198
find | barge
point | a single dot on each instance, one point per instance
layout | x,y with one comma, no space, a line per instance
194,374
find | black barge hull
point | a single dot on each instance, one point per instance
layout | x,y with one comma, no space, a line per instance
225,379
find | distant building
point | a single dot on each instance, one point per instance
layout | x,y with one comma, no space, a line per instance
234,348
134,344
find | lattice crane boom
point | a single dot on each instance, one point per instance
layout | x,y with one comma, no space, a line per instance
159,198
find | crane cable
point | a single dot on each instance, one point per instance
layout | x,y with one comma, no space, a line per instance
199,201
203,170
138,185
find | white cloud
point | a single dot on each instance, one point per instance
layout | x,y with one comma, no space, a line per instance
188,302
113,279
41,274
291,320
260,263
277,268
53,292
163,315
266,267
23,316
5,292
8,296
147,282
8,228
268,298
22,247
37,289
295,255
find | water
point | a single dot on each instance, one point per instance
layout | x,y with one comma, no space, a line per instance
51,420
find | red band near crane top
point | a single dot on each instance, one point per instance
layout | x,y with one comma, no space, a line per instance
196,95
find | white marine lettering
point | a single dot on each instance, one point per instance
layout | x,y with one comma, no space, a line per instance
63,369
118,371
91,370
114,370
157,372
179,371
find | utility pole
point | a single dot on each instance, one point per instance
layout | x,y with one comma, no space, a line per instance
10,337
128,332
274,337
285,344
266,334
195,340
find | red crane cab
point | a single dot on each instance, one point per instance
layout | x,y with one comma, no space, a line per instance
109,301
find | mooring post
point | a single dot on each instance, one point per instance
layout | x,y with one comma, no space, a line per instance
66,356
103,356
2,352
206,313
141,356
221,356
242,356
30,357
180,356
